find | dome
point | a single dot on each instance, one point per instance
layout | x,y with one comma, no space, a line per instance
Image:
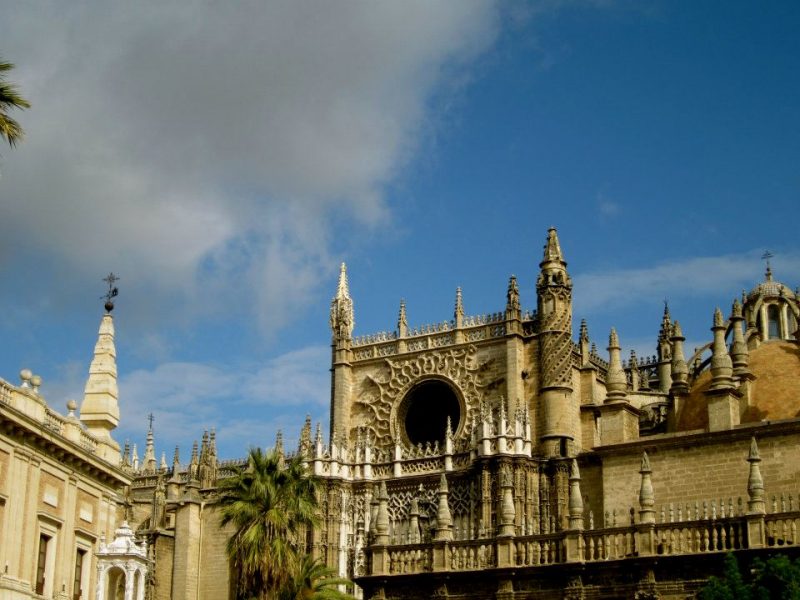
771,289
775,393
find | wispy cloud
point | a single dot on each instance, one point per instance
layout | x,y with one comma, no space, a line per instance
613,289
607,207
246,404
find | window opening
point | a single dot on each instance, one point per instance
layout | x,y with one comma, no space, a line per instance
41,563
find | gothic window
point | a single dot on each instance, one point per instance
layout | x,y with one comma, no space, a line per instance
774,322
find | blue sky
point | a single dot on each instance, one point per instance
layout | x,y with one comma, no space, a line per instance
223,162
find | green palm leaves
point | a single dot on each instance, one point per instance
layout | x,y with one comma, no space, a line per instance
9,98
271,504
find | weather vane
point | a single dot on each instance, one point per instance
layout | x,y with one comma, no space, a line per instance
112,292
766,256
151,418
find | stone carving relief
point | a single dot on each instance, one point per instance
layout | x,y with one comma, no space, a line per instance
380,395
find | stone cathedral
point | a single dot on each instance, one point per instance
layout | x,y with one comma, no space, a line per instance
493,456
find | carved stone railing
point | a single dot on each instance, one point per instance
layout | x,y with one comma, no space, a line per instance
472,555
535,550
708,534
782,529
416,558
435,335
609,544
697,537
5,392
53,421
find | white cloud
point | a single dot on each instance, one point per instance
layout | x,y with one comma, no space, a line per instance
201,151
245,405
679,279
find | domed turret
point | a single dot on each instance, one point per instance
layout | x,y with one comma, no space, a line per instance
771,308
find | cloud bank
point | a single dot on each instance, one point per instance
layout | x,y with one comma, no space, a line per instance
203,149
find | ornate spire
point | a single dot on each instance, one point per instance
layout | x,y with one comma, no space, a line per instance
402,320
513,309
584,332
680,370
413,527
135,458
755,483
382,517
149,449
553,268
552,249
100,408
721,365
176,465
666,325
458,312
739,353
616,382
633,366
342,319
444,520
507,512
304,445
279,445
193,463
647,513
575,497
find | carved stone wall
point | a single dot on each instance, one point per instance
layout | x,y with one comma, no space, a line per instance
380,391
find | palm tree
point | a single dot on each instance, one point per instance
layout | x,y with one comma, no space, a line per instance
270,504
314,581
10,98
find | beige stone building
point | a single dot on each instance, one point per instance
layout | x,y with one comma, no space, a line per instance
60,485
501,456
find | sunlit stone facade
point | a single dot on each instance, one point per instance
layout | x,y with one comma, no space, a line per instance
501,456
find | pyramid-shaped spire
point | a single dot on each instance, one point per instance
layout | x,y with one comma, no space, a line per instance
552,248
342,320
100,408
553,268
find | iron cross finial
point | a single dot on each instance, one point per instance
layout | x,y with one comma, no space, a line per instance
151,418
767,256
112,292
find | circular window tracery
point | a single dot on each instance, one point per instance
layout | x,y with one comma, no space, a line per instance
425,409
